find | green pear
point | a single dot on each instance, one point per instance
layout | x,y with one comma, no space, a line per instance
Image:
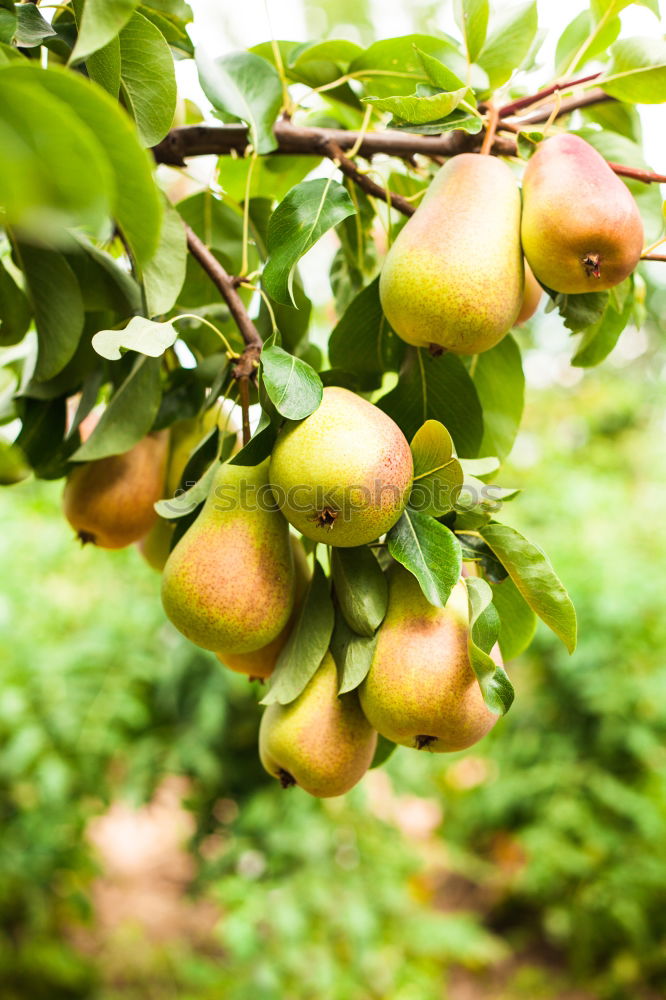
260,663
184,436
531,297
229,582
581,228
110,502
320,741
453,278
343,475
421,690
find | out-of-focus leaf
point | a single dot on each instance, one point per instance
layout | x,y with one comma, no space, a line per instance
472,19
500,384
637,71
512,33
164,274
517,620
102,20
15,313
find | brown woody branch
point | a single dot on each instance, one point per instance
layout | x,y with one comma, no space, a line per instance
526,102
245,368
350,170
654,256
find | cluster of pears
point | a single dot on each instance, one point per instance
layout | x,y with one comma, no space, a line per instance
235,582
456,277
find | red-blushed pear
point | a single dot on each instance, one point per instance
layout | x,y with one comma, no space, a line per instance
343,475
229,582
110,502
260,663
421,690
581,228
531,297
320,741
453,278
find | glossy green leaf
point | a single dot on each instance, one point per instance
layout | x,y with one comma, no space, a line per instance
140,334
352,653
437,389
129,414
164,274
8,21
56,304
419,110
535,578
244,86
393,67
103,67
293,387
580,311
438,475
484,621
363,342
147,78
517,620
102,20
307,645
360,587
458,121
31,27
512,32
429,551
637,71
187,501
437,72
15,312
308,211
260,444
500,384
472,19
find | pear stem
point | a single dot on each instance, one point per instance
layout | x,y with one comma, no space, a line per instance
491,129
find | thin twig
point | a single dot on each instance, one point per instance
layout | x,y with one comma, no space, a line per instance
526,102
654,256
349,169
491,129
245,368
647,176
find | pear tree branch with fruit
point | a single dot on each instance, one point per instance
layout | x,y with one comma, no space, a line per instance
347,545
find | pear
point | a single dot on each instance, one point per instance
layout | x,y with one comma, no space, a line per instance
581,228
184,436
110,502
229,582
260,663
421,690
453,278
531,297
343,475
320,741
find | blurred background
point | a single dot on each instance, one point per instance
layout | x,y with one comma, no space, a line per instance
145,854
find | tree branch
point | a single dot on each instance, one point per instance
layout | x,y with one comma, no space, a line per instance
654,256
350,170
246,367
647,176
526,102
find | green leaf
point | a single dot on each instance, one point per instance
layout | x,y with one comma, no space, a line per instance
528,143
275,175
244,86
480,466
438,475
129,415
42,431
260,444
429,551
580,40
308,211
599,339
360,587
293,387
500,384
164,275
438,74
509,42
496,687
637,71
517,620
307,645
13,467
352,653
363,342
15,312
388,67
31,28
384,750
136,201
103,67
472,19
56,304
437,389
187,501
419,110
140,334
147,78
535,578
102,20
8,21
580,311
456,121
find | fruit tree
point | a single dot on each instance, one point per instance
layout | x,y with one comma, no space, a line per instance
324,511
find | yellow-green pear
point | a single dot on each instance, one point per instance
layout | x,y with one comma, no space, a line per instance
320,741
260,663
421,690
184,436
531,297
453,278
581,228
343,475
229,582
110,502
